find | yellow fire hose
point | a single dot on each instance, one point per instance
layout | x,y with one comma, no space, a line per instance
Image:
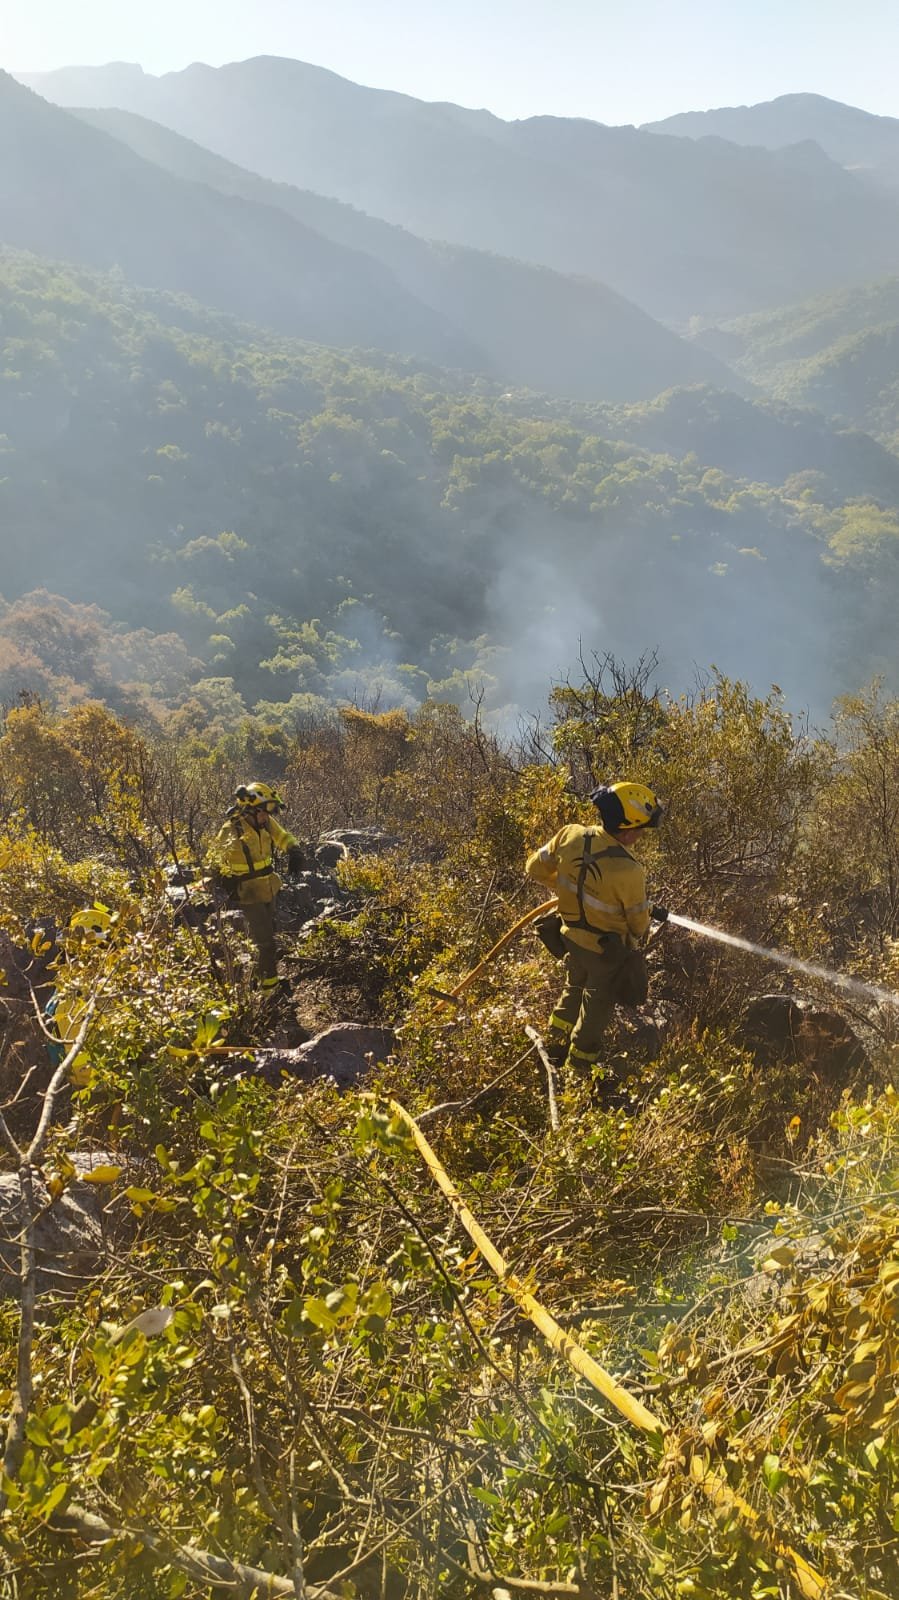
809,1582
508,936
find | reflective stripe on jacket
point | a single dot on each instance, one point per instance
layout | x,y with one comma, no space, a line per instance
600,886
242,852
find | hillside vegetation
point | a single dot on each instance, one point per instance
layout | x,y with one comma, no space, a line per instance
312,525
289,1368
836,352
435,532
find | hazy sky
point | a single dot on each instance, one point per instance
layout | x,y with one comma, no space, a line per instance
615,60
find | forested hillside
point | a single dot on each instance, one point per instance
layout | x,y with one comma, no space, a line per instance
685,228
310,524
265,1356
837,353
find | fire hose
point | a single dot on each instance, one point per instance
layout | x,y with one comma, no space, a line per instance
719,1493
508,936
446,996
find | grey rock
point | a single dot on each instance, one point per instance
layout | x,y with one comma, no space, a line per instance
646,1032
297,903
304,901
328,856
69,1232
829,1045
356,842
771,1025
341,1053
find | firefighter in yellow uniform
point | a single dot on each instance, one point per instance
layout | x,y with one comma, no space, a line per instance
242,856
601,890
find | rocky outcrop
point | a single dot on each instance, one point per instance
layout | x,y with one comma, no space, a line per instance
342,842
69,1231
344,1053
779,1027
308,898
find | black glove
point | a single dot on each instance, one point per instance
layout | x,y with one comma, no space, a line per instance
659,913
296,859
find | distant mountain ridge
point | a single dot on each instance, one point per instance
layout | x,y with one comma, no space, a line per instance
533,326
71,191
685,228
859,140
110,189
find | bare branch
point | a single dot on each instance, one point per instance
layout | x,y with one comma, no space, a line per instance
540,1048
27,1160
7,1140
465,1105
23,1394
215,1572
57,1084
281,1519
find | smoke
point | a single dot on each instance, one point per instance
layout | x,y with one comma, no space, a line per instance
536,616
763,619
372,674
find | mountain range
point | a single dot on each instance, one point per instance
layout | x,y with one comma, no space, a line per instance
313,379
68,190
109,189
685,228
524,323
866,144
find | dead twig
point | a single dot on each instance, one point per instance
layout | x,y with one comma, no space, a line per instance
465,1105
540,1048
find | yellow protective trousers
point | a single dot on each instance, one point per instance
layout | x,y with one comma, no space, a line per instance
259,920
584,1009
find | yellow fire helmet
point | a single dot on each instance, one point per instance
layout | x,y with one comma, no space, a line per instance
95,923
627,805
258,797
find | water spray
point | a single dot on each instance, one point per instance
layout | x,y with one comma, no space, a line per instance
782,958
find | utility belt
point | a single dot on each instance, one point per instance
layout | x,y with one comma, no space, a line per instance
252,871
630,974
550,930
602,939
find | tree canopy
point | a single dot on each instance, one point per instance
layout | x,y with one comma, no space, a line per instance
269,524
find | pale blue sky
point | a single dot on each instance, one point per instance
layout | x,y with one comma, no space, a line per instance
615,60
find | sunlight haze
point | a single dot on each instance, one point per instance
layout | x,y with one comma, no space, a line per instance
592,58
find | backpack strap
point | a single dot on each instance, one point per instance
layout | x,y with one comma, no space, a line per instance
588,858
252,870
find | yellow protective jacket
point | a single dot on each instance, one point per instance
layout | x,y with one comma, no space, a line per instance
601,887
242,853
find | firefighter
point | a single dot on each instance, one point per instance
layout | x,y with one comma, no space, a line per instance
603,913
242,860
